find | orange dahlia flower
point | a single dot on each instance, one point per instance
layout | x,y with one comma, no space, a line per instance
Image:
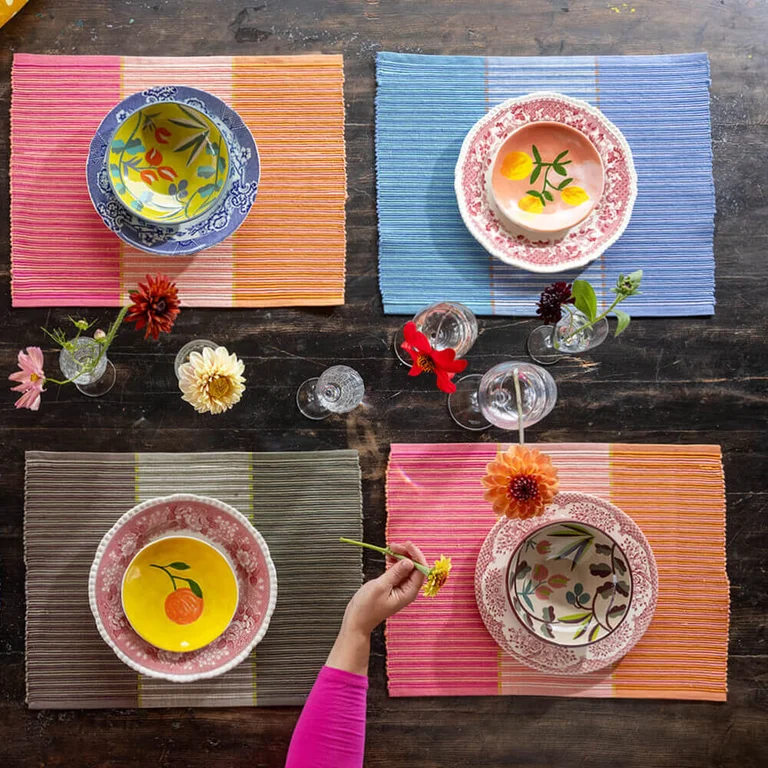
520,482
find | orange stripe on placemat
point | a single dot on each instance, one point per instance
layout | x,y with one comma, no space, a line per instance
676,494
291,249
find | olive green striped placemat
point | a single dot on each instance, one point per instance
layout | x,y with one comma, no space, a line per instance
300,502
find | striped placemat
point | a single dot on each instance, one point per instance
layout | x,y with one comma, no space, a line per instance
289,252
425,105
675,493
300,502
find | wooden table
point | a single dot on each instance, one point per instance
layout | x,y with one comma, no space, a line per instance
665,380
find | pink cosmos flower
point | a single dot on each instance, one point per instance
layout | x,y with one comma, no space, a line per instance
31,378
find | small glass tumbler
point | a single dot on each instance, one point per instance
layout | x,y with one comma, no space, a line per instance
198,345
338,389
447,325
96,382
549,343
482,400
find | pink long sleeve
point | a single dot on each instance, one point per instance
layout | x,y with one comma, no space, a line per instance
331,729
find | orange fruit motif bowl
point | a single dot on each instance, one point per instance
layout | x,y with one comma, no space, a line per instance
179,593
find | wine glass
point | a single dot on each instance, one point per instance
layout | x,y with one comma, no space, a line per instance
447,325
482,400
549,343
338,389
88,353
183,355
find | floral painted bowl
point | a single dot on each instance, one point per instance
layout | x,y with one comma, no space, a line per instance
168,163
570,583
547,177
198,517
179,593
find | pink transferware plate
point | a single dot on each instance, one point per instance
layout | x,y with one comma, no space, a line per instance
541,251
568,592
198,517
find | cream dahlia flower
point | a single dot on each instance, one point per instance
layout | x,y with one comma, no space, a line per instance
212,381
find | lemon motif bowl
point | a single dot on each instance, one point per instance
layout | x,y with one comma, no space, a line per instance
179,593
168,163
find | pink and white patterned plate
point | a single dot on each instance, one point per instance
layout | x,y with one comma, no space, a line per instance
578,246
532,650
224,527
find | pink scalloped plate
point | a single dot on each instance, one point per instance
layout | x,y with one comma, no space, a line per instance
527,250
527,647
222,526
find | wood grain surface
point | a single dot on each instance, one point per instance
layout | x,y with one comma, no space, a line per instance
677,380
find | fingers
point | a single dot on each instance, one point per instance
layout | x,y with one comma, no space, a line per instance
409,588
398,573
410,550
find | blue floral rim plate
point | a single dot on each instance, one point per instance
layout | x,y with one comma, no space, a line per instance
197,235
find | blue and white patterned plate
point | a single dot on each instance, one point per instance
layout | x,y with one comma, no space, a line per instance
196,235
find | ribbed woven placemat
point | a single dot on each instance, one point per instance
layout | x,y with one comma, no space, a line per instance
300,502
425,105
289,252
675,493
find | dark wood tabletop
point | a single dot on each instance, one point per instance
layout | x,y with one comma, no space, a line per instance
688,380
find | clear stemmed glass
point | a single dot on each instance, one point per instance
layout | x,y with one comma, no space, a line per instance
482,400
549,343
93,383
338,389
447,325
197,345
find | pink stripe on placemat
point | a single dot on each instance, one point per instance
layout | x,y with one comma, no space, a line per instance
59,242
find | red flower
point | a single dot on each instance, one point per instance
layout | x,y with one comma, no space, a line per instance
162,135
167,173
442,363
148,177
153,157
155,305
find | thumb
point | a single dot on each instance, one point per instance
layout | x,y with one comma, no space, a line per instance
397,573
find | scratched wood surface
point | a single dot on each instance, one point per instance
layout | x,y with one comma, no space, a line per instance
685,380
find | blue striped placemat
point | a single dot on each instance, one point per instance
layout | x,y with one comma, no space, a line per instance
425,105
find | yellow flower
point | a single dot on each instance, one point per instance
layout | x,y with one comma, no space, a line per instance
520,482
438,575
212,381
530,204
516,165
574,196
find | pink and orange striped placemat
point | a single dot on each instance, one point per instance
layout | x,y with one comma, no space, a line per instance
289,252
675,493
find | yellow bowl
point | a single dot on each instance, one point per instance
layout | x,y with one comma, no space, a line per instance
168,163
179,593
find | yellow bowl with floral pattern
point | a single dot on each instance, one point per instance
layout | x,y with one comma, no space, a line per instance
179,593
168,163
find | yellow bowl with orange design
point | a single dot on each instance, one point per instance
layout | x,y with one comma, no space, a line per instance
179,593
168,163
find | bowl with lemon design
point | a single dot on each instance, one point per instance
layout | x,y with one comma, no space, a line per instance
179,593
546,177
168,163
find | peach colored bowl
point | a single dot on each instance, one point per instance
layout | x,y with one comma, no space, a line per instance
547,177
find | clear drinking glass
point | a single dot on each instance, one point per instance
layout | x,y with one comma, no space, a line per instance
339,389
549,343
94,383
447,325
482,400
198,345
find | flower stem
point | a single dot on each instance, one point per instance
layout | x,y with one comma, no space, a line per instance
386,551
519,400
607,312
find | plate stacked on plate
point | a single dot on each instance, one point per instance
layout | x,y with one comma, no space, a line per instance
182,588
570,591
173,170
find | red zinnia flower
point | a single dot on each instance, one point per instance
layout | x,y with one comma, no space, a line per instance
155,305
442,363
550,306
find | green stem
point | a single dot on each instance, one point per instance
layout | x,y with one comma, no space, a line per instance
386,551
166,571
519,402
607,312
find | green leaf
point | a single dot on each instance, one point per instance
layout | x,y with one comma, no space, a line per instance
547,630
623,588
207,190
558,169
194,141
192,116
536,194
560,156
535,175
114,170
222,164
620,566
578,528
617,610
623,319
536,154
179,566
594,633
184,123
580,632
118,145
206,171
137,205
195,587
548,195
575,618
134,147
602,549
585,298
563,184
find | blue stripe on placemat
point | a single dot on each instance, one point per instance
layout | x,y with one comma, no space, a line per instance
425,106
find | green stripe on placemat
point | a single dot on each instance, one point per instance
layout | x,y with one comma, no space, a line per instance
300,502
